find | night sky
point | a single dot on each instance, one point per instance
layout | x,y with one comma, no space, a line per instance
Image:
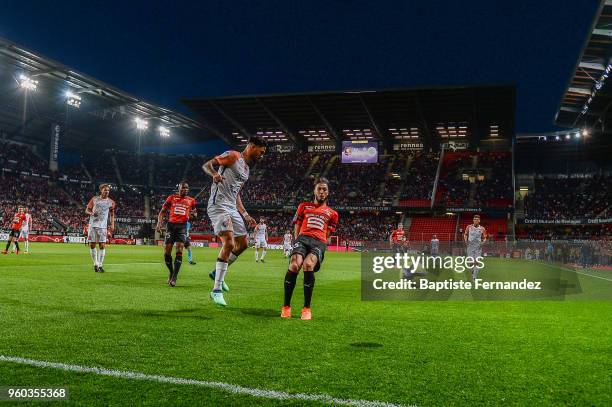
165,51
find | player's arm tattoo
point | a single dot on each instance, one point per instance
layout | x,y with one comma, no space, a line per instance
296,230
160,216
89,210
209,169
112,219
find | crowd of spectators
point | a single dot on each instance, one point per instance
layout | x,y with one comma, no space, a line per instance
569,198
285,179
564,232
19,157
421,175
496,188
453,187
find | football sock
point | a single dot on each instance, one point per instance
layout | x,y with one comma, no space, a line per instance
309,282
220,270
256,254
8,244
290,280
189,254
232,258
16,246
168,261
27,245
101,254
94,256
263,254
178,260
474,273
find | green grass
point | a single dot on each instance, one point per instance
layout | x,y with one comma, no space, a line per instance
53,307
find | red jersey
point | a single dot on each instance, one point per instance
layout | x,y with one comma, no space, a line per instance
18,220
315,220
179,208
398,236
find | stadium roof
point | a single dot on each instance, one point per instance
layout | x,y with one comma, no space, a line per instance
588,98
408,115
106,114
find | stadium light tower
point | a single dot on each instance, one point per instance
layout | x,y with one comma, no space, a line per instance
27,83
72,99
585,132
141,126
164,131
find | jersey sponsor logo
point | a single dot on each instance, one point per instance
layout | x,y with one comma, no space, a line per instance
315,222
179,209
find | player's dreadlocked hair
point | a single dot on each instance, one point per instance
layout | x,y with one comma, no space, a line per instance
258,141
181,183
321,180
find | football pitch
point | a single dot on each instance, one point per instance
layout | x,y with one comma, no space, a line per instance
58,319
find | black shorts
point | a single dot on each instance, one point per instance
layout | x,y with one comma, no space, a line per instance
187,242
306,245
176,233
14,233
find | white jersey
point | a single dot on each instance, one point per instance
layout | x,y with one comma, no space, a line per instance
260,232
475,234
235,172
100,208
287,239
27,223
435,244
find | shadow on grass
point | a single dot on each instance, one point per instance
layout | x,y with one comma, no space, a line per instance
191,313
257,312
366,345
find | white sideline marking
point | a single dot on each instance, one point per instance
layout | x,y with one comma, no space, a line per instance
577,272
591,275
231,388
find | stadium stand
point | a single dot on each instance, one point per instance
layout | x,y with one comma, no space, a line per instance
422,228
568,198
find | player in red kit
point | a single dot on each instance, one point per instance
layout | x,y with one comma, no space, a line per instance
16,225
180,209
314,223
397,239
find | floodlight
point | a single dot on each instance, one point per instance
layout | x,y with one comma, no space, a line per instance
27,83
72,99
164,131
141,124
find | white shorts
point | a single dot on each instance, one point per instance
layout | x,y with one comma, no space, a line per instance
287,248
226,219
474,250
96,235
25,233
261,244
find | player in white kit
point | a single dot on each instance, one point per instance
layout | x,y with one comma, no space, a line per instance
25,231
287,243
100,208
475,235
261,240
225,209
435,245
